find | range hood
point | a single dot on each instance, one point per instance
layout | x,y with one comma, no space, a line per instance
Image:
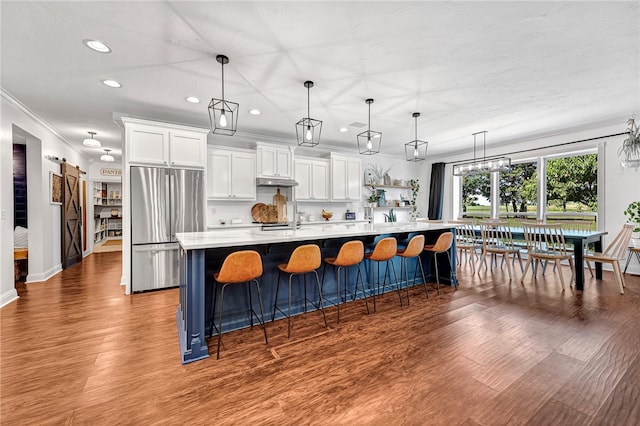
273,181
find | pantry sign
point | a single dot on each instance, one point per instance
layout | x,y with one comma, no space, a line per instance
108,171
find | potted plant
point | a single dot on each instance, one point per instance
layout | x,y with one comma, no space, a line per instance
633,216
415,188
378,174
374,197
630,148
390,217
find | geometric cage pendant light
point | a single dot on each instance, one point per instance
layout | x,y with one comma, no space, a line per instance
416,150
223,114
308,129
91,142
369,141
484,165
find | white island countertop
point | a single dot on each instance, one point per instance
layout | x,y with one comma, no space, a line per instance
251,237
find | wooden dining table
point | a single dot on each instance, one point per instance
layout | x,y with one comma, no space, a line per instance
580,240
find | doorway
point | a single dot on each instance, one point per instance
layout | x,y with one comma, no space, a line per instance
20,216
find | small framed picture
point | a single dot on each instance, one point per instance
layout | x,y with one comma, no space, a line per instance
55,187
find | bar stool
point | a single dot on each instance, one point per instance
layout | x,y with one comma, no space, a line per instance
304,260
351,253
442,245
413,250
384,251
243,266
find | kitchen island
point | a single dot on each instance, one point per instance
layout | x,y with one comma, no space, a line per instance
203,252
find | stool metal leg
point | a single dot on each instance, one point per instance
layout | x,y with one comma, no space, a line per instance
221,310
321,301
261,319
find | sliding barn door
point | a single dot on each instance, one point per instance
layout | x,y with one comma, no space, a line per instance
71,216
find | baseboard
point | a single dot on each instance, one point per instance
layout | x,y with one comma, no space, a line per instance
34,278
8,297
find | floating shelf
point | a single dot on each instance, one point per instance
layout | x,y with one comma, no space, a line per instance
389,186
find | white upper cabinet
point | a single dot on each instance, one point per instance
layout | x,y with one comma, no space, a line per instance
346,176
164,144
274,161
313,179
231,174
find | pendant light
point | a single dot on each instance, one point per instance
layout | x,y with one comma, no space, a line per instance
416,150
223,114
369,141
308,129
106,157
91,142
485,165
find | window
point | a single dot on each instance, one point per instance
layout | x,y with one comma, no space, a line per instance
476,196
561,188
519,193
572,196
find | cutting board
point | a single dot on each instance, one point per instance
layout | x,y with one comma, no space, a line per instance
280,202
268,213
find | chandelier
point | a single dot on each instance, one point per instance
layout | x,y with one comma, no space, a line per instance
485,165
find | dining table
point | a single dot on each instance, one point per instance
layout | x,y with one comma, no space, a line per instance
580,241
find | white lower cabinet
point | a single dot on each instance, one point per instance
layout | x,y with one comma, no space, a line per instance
346,178
231,175
313,179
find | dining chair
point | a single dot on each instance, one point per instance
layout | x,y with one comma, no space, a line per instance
614,252
497,239
546,243
467,242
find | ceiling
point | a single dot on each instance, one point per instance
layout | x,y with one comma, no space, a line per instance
519,70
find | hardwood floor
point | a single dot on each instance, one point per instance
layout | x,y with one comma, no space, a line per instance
76,350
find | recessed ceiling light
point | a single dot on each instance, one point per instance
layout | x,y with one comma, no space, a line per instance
111,83
343,129
254,111
192,99
97,45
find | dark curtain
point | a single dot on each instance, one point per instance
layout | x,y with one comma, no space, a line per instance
436,191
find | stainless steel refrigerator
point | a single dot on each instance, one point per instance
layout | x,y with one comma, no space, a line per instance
163,202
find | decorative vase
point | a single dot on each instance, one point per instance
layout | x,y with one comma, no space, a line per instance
635,239
387,179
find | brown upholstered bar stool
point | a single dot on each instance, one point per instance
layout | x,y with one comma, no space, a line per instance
304,260
239,267
384,251
442,245
412,251
351,254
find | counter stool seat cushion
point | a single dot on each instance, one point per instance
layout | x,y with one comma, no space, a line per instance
304,259
351,253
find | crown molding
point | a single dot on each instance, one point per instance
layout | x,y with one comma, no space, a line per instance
24,109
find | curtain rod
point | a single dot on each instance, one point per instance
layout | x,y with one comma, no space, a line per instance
542,147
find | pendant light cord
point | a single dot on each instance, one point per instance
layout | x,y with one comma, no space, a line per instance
369,124
222,63
308,107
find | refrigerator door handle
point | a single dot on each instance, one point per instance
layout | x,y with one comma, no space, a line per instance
169,205
156,247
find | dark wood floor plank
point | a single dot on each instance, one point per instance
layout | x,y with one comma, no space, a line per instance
622,408
76,350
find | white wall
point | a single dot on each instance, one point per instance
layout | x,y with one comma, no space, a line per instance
617,186
19,125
